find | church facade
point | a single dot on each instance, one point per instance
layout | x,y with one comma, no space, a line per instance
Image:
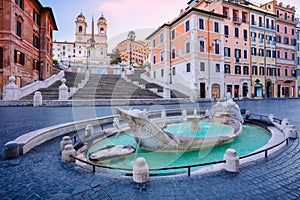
88,48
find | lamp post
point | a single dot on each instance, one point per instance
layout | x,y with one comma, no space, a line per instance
69,61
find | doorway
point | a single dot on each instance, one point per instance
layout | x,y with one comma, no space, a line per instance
202,90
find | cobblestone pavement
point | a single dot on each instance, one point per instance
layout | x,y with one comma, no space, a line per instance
40,174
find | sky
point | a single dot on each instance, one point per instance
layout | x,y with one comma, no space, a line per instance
122,15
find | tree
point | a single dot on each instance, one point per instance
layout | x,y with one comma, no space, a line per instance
115,57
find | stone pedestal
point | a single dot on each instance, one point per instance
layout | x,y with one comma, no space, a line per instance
166,93
12,91
195,125
232,161
63,91
89,131
10,151
67,152
37,99
65,141
140,171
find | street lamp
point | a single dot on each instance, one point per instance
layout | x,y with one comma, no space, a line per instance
69,61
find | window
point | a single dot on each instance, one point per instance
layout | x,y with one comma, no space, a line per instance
285,15
217,48
277,13
20,3
285,30
254,70
162,72
161,56
286,40
293,18
273,54
293,31
80,29
237,54
173,53
173,34
36,17
235,15
261,52
253,20
154,59
286,55
278,28
278,71
226,30
267,23
36,42
19,57
187,47
216,27
272,24
245,54
286,72
154,43
161,38
154,74
278,54
1,57
187,26
269,53
202,46
227,69
201,24
35,64
237,69
244,17
225,12
173,71
246,70
217,67
19,29
236,32
293,41
260,21
279,39
245,34
261,71
188,67
253,51
226,51
293,56
202,66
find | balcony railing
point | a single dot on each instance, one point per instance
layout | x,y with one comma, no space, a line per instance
237,20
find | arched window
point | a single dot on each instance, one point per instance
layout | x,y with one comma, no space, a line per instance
101,30
80,29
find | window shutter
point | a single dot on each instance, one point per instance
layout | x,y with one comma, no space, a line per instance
22,62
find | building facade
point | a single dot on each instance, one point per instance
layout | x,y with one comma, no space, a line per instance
298,58
26,35
138,51
236,46
258,49
88,48
187,53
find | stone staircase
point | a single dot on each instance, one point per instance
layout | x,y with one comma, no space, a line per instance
111,87
52,93
136,76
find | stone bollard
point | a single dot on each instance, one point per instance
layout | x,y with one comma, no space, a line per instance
184,114
195,112
140,171
163,114
65,141
67,152
10,151
12,91
166,93
232,161
63,91
37,99
89,131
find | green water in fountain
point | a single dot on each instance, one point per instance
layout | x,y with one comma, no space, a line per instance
251,139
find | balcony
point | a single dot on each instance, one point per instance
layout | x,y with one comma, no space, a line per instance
286,79
237,20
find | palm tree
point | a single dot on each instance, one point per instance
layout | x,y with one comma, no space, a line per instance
131,36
